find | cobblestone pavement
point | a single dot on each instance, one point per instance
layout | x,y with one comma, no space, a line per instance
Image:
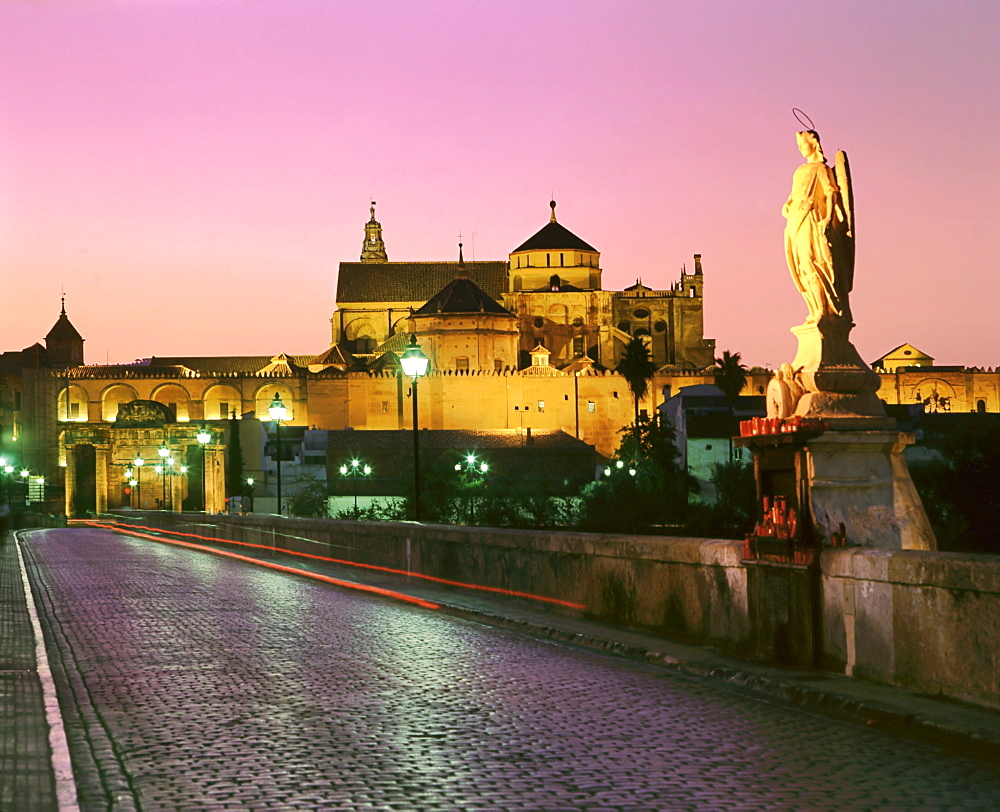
193,682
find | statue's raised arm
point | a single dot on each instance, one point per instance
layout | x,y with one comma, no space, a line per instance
819,241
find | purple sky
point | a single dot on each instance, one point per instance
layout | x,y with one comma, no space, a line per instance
192,171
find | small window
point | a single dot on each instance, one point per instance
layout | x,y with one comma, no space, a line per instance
591,406
541,406
660,326
578,348
497,365
462,364
561,260
708,447
624,326
641,313
385,407
692,291
548,260
578,322
980,406
539,321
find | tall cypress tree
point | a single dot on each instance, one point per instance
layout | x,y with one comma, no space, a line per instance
234,471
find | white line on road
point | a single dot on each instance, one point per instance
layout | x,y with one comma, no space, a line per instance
61,764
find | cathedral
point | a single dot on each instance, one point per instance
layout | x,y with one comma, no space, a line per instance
521,350
547,294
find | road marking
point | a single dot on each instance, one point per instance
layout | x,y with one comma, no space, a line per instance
61,764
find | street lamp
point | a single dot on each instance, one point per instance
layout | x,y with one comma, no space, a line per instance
138,462
472,468
277,413
204,437
243,507
354,470
414,364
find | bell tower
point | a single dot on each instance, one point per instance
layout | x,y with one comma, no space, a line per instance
373,249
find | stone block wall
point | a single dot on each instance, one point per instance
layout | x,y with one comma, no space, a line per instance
922,620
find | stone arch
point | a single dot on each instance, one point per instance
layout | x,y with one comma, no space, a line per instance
264,396
220,400
935,394
402,325
112,397
362,337
559,314
75,409
176,397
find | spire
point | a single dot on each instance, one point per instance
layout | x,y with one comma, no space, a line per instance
460,272
552,205
373,249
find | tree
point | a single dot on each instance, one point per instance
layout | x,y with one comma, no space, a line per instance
730,375
310,499
959,486
657,493
638,369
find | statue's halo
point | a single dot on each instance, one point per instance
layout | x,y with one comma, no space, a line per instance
803,119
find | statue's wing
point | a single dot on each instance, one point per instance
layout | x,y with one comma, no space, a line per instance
843,172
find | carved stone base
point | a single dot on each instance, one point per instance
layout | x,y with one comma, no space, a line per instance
836,380
860,479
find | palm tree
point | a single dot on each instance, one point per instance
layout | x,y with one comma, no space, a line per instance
730,375
638,369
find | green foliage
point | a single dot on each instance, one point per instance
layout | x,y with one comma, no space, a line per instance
525,500
734,511
730,375
655,498
384,510
959,489
309,499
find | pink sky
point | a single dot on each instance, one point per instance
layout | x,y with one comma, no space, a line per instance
192,171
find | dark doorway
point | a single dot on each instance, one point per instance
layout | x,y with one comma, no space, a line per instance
85,485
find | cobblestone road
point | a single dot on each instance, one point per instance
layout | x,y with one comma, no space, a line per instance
193,682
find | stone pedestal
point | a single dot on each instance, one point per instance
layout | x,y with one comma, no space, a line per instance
860,479
835,378
847,480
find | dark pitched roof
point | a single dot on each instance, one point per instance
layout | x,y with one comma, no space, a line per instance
554,236
462,295
63,330
412,281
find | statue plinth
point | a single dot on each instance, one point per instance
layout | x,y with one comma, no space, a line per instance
837,382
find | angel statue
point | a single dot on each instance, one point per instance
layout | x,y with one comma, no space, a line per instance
819,232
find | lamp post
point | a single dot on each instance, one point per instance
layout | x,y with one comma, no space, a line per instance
472,468
204,437
243,507
277,413
138,462
414,364
354,470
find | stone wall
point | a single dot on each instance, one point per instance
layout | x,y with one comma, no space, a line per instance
685,589
921,620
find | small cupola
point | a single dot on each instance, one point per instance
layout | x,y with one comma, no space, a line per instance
554,251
